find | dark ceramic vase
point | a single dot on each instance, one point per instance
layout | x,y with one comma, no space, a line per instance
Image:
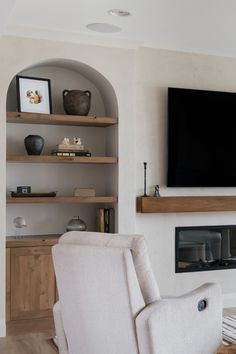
77,102
34,144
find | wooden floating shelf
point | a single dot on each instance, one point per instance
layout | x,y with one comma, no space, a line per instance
62,200
60,119
186,204
62,159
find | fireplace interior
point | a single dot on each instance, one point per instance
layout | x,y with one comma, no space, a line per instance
205,248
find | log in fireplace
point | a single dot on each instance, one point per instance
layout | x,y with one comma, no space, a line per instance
199,248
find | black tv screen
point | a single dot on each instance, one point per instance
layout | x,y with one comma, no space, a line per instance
201,138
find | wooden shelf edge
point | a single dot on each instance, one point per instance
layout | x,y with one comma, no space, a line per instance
62,159
32,240
60,119
62,200
186,204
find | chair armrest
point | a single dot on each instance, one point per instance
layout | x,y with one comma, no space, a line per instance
176,325
60,334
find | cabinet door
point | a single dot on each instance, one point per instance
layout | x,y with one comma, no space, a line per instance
32,282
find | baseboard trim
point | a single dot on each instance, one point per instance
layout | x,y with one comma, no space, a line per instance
2,328
229,300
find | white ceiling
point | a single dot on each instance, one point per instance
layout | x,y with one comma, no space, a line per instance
204,26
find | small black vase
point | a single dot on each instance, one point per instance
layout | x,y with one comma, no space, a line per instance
34,144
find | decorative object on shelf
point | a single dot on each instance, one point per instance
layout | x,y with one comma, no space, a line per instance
157,191
71,148
76,102
66,144
145,179
84,192
105,220
34,144
33,195
23,189
76,224
19,222
33,94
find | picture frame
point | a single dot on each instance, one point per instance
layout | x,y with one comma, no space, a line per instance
33,94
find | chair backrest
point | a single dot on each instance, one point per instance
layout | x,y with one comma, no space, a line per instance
103,281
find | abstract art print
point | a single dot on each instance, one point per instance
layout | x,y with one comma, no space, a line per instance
33,95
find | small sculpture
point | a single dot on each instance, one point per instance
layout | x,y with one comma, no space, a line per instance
19,222
75,144
157,191
145,179
65,141
77,141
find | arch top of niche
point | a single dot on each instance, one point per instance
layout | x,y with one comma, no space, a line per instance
98,79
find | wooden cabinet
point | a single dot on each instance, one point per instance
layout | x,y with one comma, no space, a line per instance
31,285
32,282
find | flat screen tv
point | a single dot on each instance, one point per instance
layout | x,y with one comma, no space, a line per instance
201,138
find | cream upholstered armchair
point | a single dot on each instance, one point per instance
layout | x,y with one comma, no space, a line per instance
109,302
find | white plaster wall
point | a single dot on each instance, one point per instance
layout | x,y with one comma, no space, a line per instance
155,71
117,67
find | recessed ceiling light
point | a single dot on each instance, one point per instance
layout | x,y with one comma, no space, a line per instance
103,27
117,12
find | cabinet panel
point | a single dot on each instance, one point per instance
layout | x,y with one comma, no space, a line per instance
8,284
32,282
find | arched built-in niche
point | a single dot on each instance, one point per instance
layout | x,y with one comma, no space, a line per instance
48,218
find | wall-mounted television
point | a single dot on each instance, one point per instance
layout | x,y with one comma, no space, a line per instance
201,138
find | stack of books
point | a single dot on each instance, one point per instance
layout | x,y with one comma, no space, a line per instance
71,153
71,149
105,220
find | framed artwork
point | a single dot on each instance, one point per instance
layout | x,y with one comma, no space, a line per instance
33,94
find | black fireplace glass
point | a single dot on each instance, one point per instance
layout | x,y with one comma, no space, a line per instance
199,248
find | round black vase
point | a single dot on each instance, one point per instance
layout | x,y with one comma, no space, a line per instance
34,144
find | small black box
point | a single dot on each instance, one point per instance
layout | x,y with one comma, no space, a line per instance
23,189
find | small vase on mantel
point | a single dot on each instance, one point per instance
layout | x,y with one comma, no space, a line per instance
34,144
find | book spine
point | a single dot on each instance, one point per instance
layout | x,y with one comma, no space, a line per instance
100,225
63,154
111,220
106,220
71,154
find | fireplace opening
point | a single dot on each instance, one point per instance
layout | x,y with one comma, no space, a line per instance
199,248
